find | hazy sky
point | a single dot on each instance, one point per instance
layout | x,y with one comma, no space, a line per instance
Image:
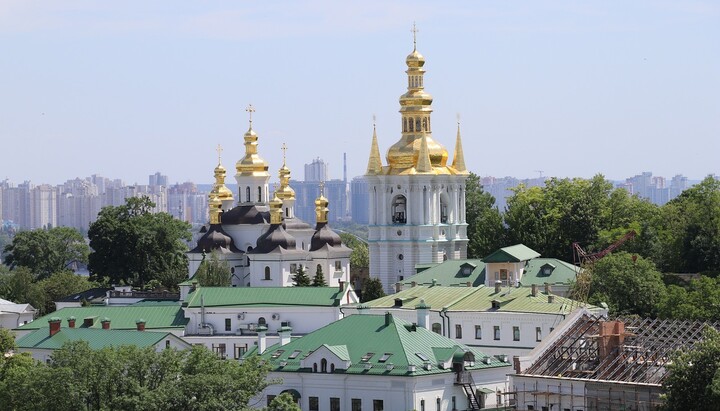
572,88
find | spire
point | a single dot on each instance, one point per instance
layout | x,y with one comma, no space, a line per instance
414,32
251,164
374,163
423,162
459,158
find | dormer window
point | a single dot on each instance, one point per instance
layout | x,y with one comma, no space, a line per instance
495,304
385,357
547,269
277,354
367,357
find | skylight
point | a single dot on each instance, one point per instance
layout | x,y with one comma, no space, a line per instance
294,354
385,357
422,356
367,357
277,353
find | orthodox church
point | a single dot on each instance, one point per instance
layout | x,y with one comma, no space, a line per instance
260,238
417,200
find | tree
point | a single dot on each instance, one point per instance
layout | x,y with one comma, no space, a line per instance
47,251
372,289
319,279
693,380
700,300
7,341
359,257
301,278
59,285
629,284
132,244
213,272
485,231
19,286
283,402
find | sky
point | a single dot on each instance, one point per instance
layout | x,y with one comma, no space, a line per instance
560,88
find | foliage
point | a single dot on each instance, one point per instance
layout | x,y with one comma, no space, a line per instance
61,284
319,279
700,300
7,341
693,381
19,286
360,256
628,286
486,231
132,244
283,402
372,289
301,279
213,272
131,378
47,251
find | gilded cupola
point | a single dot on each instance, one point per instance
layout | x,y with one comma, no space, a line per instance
215,208
276,213
219,189
251,164
285,192
415,110
321,207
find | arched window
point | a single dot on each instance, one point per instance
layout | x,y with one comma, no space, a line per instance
425,124
411,124
315,367
332,367
443,209
318,268
261,321
436,328
287,212
323,365
417,124
267,273
404,125
259,194
247,194
399,210
437,404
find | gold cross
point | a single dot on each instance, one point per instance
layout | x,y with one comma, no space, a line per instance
219,151
414,32
283,148
250,109
322,187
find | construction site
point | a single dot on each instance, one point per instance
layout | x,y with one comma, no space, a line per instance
600,364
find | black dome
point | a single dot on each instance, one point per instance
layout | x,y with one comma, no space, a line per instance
245,214
215,238
324,235
273,238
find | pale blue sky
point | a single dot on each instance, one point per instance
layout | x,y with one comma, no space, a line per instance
127,88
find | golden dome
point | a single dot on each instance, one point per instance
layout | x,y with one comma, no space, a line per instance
415,59
251,163
275,209
404,153
285,192
215,208
321,207
219,189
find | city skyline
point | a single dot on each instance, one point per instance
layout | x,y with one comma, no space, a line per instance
129,89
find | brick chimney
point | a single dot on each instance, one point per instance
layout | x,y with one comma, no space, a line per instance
398,287
71,322
498,286
548,288
105,323
533,289
612,335
140,324
54,325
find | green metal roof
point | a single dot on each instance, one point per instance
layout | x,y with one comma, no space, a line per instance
512,254
560,272
264,296
121,317
451,272
474,299
97,339
378,335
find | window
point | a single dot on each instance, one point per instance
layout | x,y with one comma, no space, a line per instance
334,404
293,268
267,273
338,265
270,399
259,194
277,354
378,405
287,212
436,328
367,357
219,349
247,194
538,334
530,407
422,405
504,277
240,350
167,343
496,332
323,365
314,367
262,321
478,332
454,403
458,331
398,210
516,333
356,404
411,125
437,404
314,404
422,356
228,324
332,367
294,354
385,357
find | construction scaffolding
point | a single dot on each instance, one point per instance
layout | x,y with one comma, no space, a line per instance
600,364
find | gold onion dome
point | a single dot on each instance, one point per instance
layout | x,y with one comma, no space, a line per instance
251,163
321,207
415,59
285,192
215,207
275,209
220,190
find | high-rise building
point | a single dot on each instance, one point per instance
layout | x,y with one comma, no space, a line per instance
359,200
158,179
316,171
417,200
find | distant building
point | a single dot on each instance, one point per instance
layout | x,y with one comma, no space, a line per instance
158,179
316,171
359,200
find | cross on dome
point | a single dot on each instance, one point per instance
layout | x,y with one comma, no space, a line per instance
250,109
414,32
284,149
219,150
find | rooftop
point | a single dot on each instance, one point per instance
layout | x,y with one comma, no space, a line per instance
121,317
97,339
264,296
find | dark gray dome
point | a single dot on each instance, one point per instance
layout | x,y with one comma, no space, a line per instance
245,214
273,238
214,239
324,235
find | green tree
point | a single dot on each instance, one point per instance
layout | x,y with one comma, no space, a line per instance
319,279
213,272
301,279
19,286
7,341
485,231
59,285
47,251
372,289
359,257
700,300
693,380
629,284
283,402
132,244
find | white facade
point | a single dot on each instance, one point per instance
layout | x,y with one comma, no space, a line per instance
14,315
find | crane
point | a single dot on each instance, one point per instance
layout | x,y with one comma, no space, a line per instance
585,261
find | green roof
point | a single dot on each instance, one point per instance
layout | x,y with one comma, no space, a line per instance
121,317
560,272
475,299
264,296
357,336
97,339
512,254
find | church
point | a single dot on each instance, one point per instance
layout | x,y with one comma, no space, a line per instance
260,238
417,199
